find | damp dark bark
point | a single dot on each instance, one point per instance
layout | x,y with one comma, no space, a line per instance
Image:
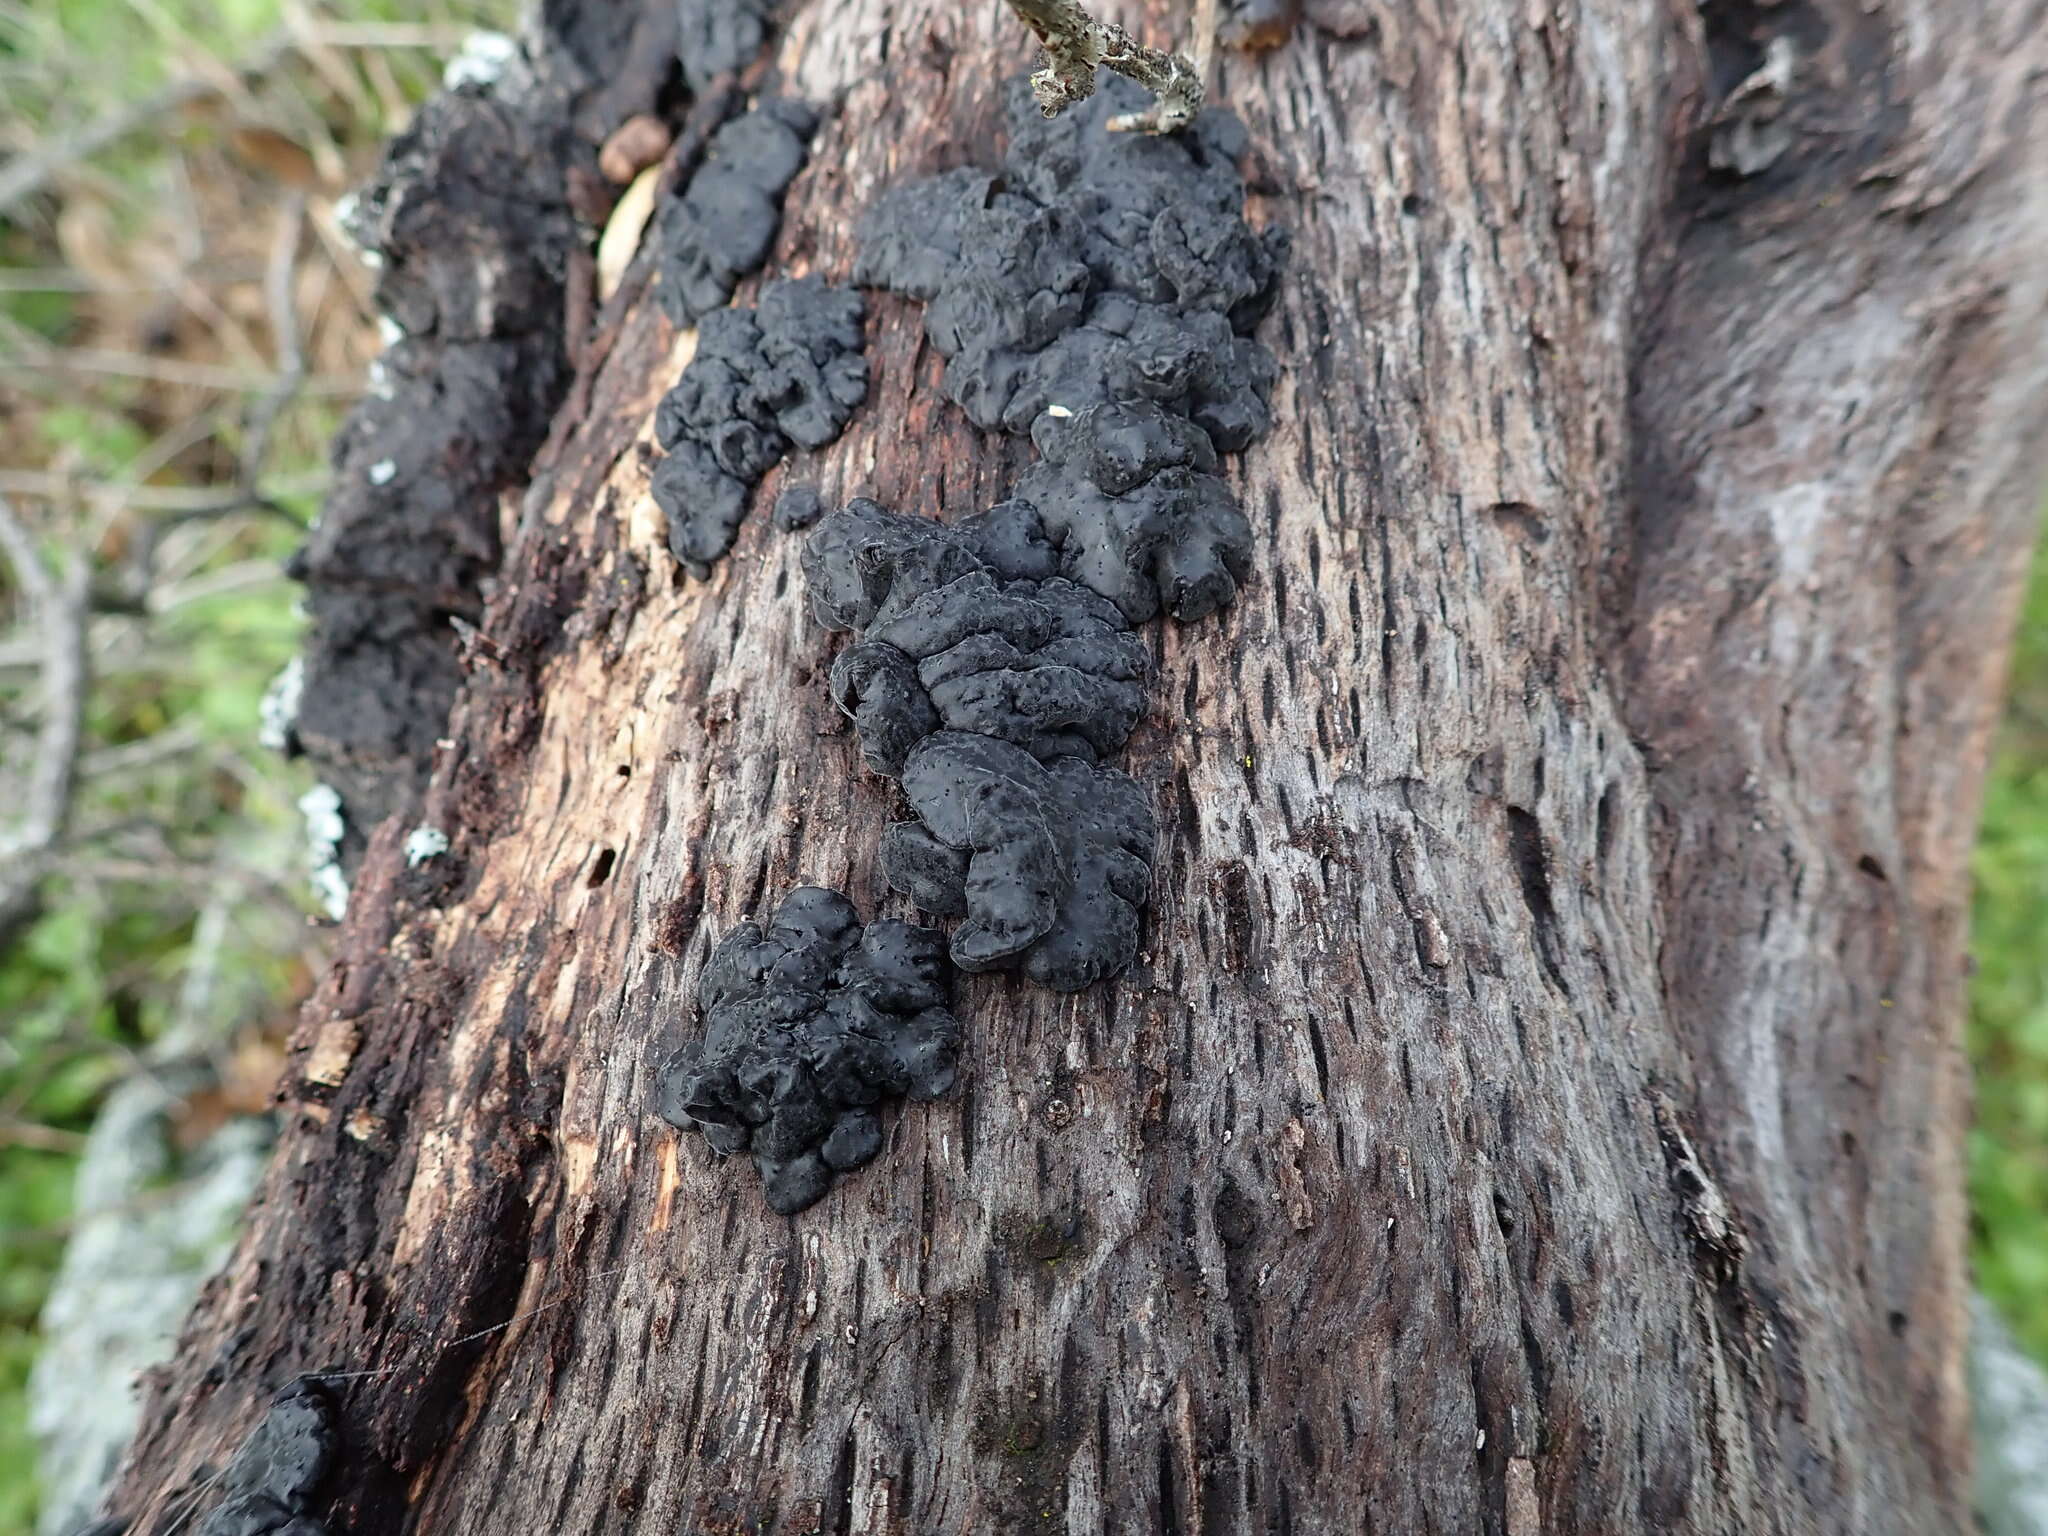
1536,1105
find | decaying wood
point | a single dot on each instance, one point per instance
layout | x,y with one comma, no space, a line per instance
1537,1106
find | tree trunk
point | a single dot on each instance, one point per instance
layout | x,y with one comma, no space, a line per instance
1536,1106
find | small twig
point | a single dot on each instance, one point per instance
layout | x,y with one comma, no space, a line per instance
242,576
379,35
175,500
178,502
1075,43
1205,43
64,280
142,754
58,603
164,370
38,1137
284,337
202,967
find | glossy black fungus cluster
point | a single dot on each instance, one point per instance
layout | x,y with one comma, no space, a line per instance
1099,296
970,628
721,226
990,685
807,1029
1099,267
271,1483
788,371
798,507
469,226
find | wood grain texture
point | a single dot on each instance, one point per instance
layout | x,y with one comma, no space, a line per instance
1537,1105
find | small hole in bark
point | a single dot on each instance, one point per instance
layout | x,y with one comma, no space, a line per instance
1411,205
1898,1320
1871,867
1848,1143
624,770
601,869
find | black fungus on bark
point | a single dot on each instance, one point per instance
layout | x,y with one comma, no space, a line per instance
798,507
789,371
1048,862
470,229
991,687
720,227
808,1029
965,628
718,37
1098,296
1100,267
270,1486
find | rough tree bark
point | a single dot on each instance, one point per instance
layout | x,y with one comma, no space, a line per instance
1537,1105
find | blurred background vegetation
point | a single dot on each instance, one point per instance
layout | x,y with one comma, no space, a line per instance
2008,1029
181,325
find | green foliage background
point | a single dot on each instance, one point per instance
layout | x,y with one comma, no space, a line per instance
2009,997
97,978
92,983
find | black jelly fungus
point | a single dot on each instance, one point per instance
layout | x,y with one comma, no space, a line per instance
1098,296
716,37
789,371
951,641
721,225
1101,267
809,1026
1049,862
798,507
270,1485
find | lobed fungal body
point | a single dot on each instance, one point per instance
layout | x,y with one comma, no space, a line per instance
798,507
1098,296
1048,862
789,371
471,227
721,226
808,1028
1098,268
718,37
992,687
271,1484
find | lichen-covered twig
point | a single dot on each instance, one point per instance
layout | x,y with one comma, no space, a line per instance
1075,43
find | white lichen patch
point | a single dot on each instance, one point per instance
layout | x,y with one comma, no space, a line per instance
380,380
383,472
423,843
482,61
389,331
279,711
330,886
326,825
